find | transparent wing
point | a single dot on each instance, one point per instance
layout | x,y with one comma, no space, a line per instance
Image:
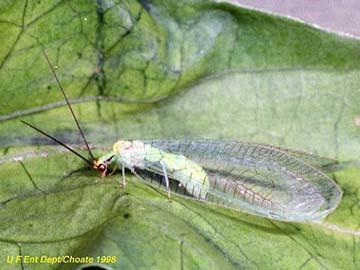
256,178
323,163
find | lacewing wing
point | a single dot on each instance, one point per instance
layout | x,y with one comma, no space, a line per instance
260,179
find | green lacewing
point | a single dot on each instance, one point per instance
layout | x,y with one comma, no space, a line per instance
264,180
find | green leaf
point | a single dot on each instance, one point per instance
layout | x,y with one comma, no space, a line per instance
160,69
61,210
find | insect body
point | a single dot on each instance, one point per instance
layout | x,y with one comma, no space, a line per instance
260,179
137,154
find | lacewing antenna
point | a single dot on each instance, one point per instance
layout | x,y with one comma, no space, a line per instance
57,141
68,103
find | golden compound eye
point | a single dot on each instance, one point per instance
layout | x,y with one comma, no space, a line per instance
102,167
